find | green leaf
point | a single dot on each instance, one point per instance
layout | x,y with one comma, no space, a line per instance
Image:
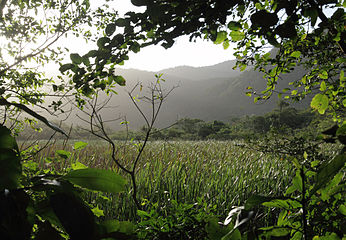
328,171
342,209
225,44
63,154
323,75
296,54
277,203
297,182
120,80
97,211
97,179
323,86
76,58
10,163
110,29
320,102
79,145
280,232
237,35
221,36
111,226
78,165
216,231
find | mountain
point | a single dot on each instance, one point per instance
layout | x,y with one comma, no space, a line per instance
214,92
209,93
221,70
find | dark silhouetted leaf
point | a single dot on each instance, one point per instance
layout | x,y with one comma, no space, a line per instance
66,67
139,3
256,200
101,42
110,29
76,218
76,58
331,131
232,25
264,19
10,166
14,215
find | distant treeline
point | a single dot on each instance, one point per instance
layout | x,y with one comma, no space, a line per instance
284,120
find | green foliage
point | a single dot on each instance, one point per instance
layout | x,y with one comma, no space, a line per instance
96,179
312,205
42,204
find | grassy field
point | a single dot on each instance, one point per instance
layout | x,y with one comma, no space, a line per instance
221,174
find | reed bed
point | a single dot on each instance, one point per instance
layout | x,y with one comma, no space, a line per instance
222,174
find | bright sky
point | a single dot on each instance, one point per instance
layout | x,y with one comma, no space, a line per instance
183,52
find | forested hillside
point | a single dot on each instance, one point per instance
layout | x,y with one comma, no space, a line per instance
214,97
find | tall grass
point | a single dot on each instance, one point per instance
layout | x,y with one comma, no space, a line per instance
222,174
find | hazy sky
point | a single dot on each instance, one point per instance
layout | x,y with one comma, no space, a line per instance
183,52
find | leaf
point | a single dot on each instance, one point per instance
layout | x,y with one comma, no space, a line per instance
78,165
342,209
110,29
135,47
121,22
323,75
237,35
117,226
328,171
232,25
280,232
320,102
65,67
120,80
79,145
323,86
264,19
312,13
221,36
256,200
10,163
225,44
297,182
76,58
98,212
76,218
216,231
97,179
296,54
277,203
101,42
139,3
63,154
